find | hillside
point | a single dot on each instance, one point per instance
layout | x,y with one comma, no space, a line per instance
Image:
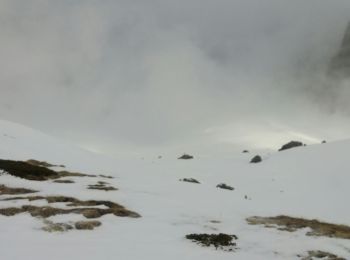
150,211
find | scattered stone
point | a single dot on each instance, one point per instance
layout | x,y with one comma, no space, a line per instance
63,181
290,224
87,225
256,159
4,190
321,255
219,241
224,186
324,141
186,157
192,180
245,151
290,145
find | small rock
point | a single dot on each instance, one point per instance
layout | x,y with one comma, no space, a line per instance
224,186
324,141
186,157
256,159
192,180
245,151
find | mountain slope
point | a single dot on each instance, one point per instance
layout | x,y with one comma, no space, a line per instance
309,182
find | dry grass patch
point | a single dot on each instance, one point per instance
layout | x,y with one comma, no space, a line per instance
4,190
76,206
286,223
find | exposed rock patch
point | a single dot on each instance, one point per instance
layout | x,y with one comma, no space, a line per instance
33,172
191,180
63,181
43,163
256,159
4,190
186,157
101,185
291,224
224,186
219,241
56,227
291,144
87,225
85,208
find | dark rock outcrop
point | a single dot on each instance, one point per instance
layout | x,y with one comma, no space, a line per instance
186,157
290,145
256,159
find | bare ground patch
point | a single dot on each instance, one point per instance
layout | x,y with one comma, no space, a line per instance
43,163
318,228
85,208
313,255
32,171
63,181
4,190
219,241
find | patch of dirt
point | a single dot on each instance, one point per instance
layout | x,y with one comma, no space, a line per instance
87,225
4,190
63,181
313,255
186,157
286,223
33,172
219,241
192,180
101,185
43,163
84,208
224,186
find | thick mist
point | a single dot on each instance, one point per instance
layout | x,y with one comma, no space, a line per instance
114,75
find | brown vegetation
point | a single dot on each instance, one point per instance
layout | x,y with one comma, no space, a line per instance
85,208
291,224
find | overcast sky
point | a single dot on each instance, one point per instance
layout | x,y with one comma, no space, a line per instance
148,74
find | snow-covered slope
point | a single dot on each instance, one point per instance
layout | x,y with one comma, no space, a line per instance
310,182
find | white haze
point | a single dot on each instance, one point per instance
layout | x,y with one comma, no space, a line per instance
131,75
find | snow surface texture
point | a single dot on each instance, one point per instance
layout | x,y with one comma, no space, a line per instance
310,182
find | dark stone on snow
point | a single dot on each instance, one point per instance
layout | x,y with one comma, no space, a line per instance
290,145
256,159
186,157
224,186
